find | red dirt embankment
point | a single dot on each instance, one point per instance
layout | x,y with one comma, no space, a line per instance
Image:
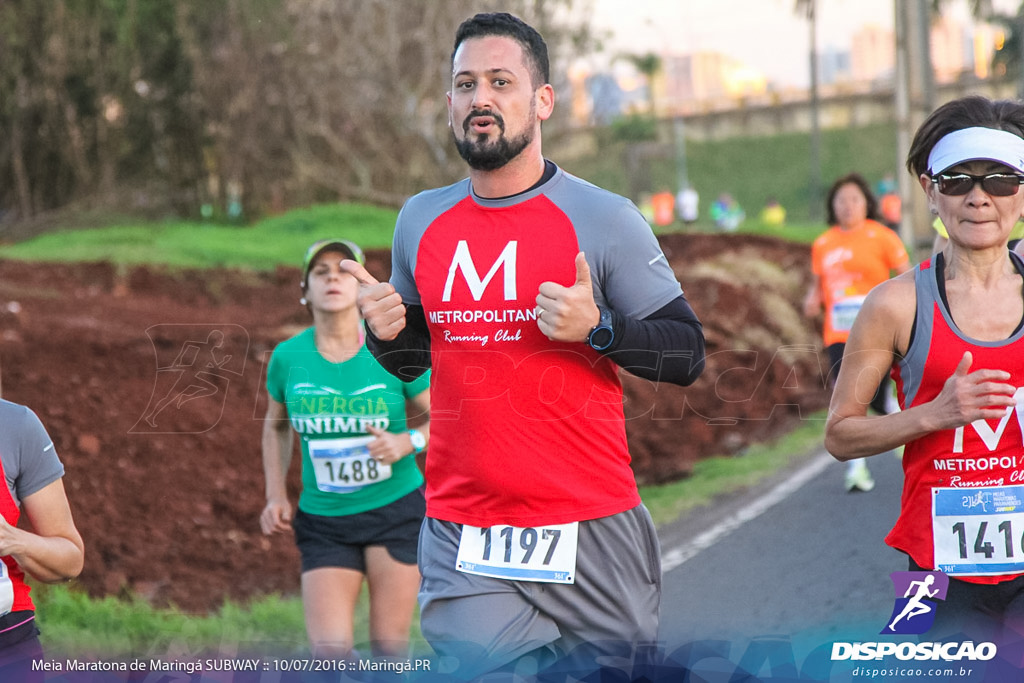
150,383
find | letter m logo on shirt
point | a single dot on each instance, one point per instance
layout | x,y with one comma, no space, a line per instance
463,261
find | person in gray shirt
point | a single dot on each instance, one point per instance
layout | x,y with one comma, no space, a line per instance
51,552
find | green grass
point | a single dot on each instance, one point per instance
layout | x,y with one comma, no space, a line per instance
73,624
751,169
269,243
272,241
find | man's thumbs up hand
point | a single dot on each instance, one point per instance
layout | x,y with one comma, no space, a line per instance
568,313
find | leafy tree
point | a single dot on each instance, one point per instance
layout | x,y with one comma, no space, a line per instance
163,106
95,98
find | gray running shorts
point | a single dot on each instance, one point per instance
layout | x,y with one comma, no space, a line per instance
486,623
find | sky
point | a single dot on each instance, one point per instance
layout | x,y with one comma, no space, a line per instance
766,34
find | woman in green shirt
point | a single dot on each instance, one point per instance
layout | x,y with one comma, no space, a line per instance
361,505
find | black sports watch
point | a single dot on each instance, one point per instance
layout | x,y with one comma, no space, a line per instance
602,336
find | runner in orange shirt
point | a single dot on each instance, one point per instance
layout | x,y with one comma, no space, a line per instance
664,208
847,261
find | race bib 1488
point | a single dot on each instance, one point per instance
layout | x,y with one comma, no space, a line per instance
345,465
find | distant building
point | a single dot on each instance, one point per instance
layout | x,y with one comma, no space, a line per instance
952,50
834,66
955,48
872,54
710,81
703,76
606,98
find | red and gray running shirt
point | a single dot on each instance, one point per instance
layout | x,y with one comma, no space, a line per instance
524,431
953,514
29,463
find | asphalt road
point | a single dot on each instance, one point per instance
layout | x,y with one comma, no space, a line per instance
796,558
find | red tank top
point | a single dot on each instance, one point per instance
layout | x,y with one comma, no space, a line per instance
14,592
960,485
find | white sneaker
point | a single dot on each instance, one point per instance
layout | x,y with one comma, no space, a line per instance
858,478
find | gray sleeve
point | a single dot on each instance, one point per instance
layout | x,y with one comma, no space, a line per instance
29,458
403,255
630,272
413,220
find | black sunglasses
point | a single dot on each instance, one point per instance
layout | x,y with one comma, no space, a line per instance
995,184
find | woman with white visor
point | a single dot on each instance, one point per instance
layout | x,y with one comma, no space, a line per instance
951,332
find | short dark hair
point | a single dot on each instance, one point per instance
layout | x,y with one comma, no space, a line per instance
966,112
858,180
504,24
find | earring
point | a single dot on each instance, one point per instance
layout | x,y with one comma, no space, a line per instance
303,301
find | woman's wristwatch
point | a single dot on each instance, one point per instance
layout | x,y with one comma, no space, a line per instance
419,442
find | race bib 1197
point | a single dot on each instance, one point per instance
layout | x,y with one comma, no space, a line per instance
543,553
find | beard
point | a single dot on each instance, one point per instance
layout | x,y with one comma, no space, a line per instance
485,155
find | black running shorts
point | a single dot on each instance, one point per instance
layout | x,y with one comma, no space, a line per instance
326,541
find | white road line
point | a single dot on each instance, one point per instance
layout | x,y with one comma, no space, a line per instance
677,556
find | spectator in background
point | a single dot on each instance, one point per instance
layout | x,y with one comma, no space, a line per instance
726,213
664,205
886,185
848,260
687,202
773,213
890,209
